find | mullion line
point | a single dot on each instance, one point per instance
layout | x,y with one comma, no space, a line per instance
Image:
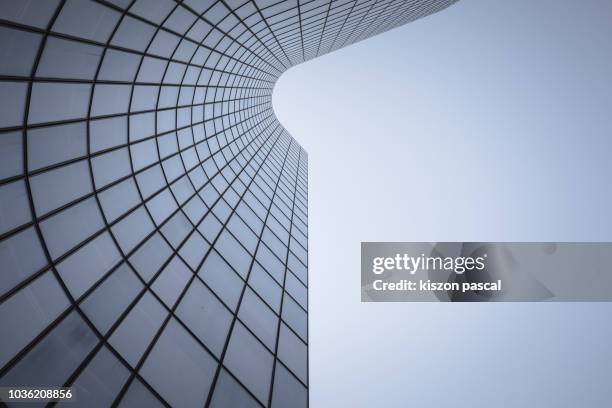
230,331
167,319
280,321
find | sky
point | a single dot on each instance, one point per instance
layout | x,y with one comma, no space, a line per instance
488,121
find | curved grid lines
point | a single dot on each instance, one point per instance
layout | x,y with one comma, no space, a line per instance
153,222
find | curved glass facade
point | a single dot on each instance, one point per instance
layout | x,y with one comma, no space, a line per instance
153,212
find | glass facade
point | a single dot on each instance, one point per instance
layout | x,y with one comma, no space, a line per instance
153,212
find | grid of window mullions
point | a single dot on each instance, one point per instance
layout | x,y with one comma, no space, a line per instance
118,181
162,268
172,151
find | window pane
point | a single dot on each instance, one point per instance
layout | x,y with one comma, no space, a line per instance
18,49
292,352
11,108
136,331
179,368
259,318
21,255
71,226
171,282
11,154
288,392
44,106
205,316
14,206
99,384
41,301
68,59
220,277
55,188
55,357
249,361
86,19
55,144
229,393
121,286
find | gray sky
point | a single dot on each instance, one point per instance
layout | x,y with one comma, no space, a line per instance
489,121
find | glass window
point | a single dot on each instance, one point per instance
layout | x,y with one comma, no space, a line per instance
233,253
119,66
107,133
180,20
142,126
55,144
220,277
133,34
193,250
241,231
295,317
111,166
198,5
86,19
136,331
143,154
11,154
270,263
54,188
29,12
121,286
292,352
161,206
18,50
259,318
288,391
205,316
175,72
173,167
182,189
176,229
11,108
249,361
274,244
71,226
266,287
249,216
21,255
195,209
14,206
44,106
100,382
110,99
150,180
297,290
153,10
167,146
168,97
145,98
139,396
41,301
171,282
229,393
298,268
149,258
118,199
86,266
68,59
152,70
54,358
179,368
131,230
164,44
